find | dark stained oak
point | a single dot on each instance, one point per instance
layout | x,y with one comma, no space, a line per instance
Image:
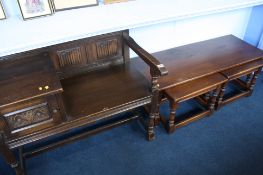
28,101
189,62
104,89
244,69
210,84
194,88
156,70
243,88
93,79
74,84
20,80
155,64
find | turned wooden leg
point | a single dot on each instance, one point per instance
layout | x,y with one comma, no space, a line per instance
152,115
150,132
253,81
171,123
154,105
221,96
9,156
153,111
22,160
157,119
207,96
214,98
249,78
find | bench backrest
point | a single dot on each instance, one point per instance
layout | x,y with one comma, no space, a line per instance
84,55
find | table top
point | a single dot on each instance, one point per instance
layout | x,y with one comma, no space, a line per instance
243,69
200,59
192,89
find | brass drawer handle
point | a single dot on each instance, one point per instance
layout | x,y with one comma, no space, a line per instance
41,88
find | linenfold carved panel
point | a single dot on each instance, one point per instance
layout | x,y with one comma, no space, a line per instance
72,56
27,117
88,54
107,48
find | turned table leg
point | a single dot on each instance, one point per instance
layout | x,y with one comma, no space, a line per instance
9,157
150,132
214,99
221,96
207,96
153,108
253,81
171,123
249,78
22,160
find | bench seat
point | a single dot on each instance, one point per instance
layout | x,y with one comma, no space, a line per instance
105,89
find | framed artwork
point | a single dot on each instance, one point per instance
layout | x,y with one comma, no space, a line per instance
70,4
35,8
2,12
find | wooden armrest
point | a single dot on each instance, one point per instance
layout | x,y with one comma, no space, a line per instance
154,64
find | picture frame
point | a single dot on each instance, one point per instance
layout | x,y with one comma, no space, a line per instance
35,8
2,12
60,5
114,1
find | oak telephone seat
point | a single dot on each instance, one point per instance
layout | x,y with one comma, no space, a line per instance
52,90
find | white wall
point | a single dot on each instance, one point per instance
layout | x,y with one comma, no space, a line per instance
255,26
154,24
261,42
167,35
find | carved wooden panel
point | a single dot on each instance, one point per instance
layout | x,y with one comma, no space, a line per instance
71,56
107,48
26,117
88,54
